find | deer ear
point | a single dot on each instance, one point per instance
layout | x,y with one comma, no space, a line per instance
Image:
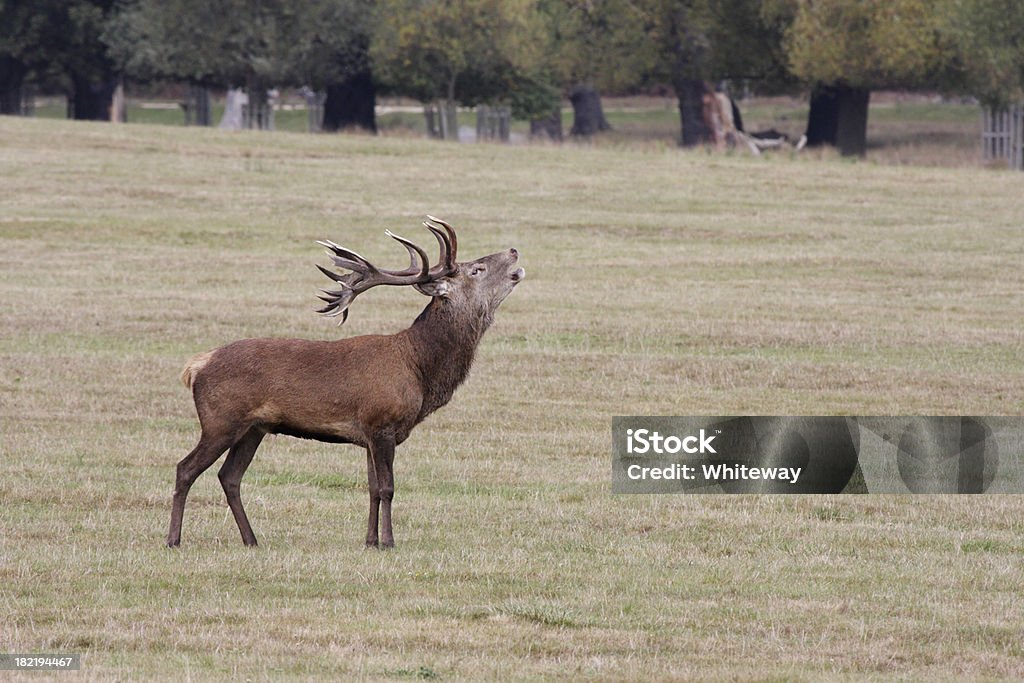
434,288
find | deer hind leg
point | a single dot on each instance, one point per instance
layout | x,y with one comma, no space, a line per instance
192,465
230,475
371,478
383,459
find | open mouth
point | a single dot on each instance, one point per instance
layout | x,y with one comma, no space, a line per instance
518,275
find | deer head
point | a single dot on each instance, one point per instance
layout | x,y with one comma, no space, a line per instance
475,286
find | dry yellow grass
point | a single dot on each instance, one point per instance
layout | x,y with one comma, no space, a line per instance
659,282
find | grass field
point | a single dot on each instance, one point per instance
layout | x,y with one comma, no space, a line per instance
658,282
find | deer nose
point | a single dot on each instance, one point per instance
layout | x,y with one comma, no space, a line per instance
514,251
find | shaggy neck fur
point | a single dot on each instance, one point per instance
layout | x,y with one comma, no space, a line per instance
444,339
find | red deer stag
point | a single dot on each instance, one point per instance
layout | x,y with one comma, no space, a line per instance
369,390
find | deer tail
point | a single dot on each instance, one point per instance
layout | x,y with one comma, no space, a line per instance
193,366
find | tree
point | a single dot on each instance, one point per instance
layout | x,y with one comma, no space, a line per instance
229,43
321,43
846,48
460,51
352,97
57,43
592,46
695,42
988,36
332,52
86,62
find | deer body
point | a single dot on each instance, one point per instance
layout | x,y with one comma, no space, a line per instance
369,390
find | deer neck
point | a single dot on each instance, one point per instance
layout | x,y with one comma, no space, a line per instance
444,341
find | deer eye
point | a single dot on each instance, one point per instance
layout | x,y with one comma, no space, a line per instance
476,270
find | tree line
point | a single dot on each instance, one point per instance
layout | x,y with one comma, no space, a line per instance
524,54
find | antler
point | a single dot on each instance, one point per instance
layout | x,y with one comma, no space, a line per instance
449,246
365,275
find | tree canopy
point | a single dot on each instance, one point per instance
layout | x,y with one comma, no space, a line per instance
465,51
988,36
866,43
229,43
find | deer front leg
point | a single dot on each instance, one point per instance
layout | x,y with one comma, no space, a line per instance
383,458
371,477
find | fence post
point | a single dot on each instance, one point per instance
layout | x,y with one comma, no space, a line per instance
1002,131
1018,137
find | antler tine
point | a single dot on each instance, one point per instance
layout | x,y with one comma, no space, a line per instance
413,261
423,270
453,244
441,269
346,258
334,276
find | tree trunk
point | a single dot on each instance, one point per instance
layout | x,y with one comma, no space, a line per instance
351,103
259,114
690,55
690,92
839,116
822,116
197,105
91,100
587,112
549,127
12,79
852,122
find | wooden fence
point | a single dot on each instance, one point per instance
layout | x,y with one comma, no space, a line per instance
442,121
493,123
1002,136
258,116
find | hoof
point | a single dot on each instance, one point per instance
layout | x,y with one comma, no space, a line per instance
371,545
